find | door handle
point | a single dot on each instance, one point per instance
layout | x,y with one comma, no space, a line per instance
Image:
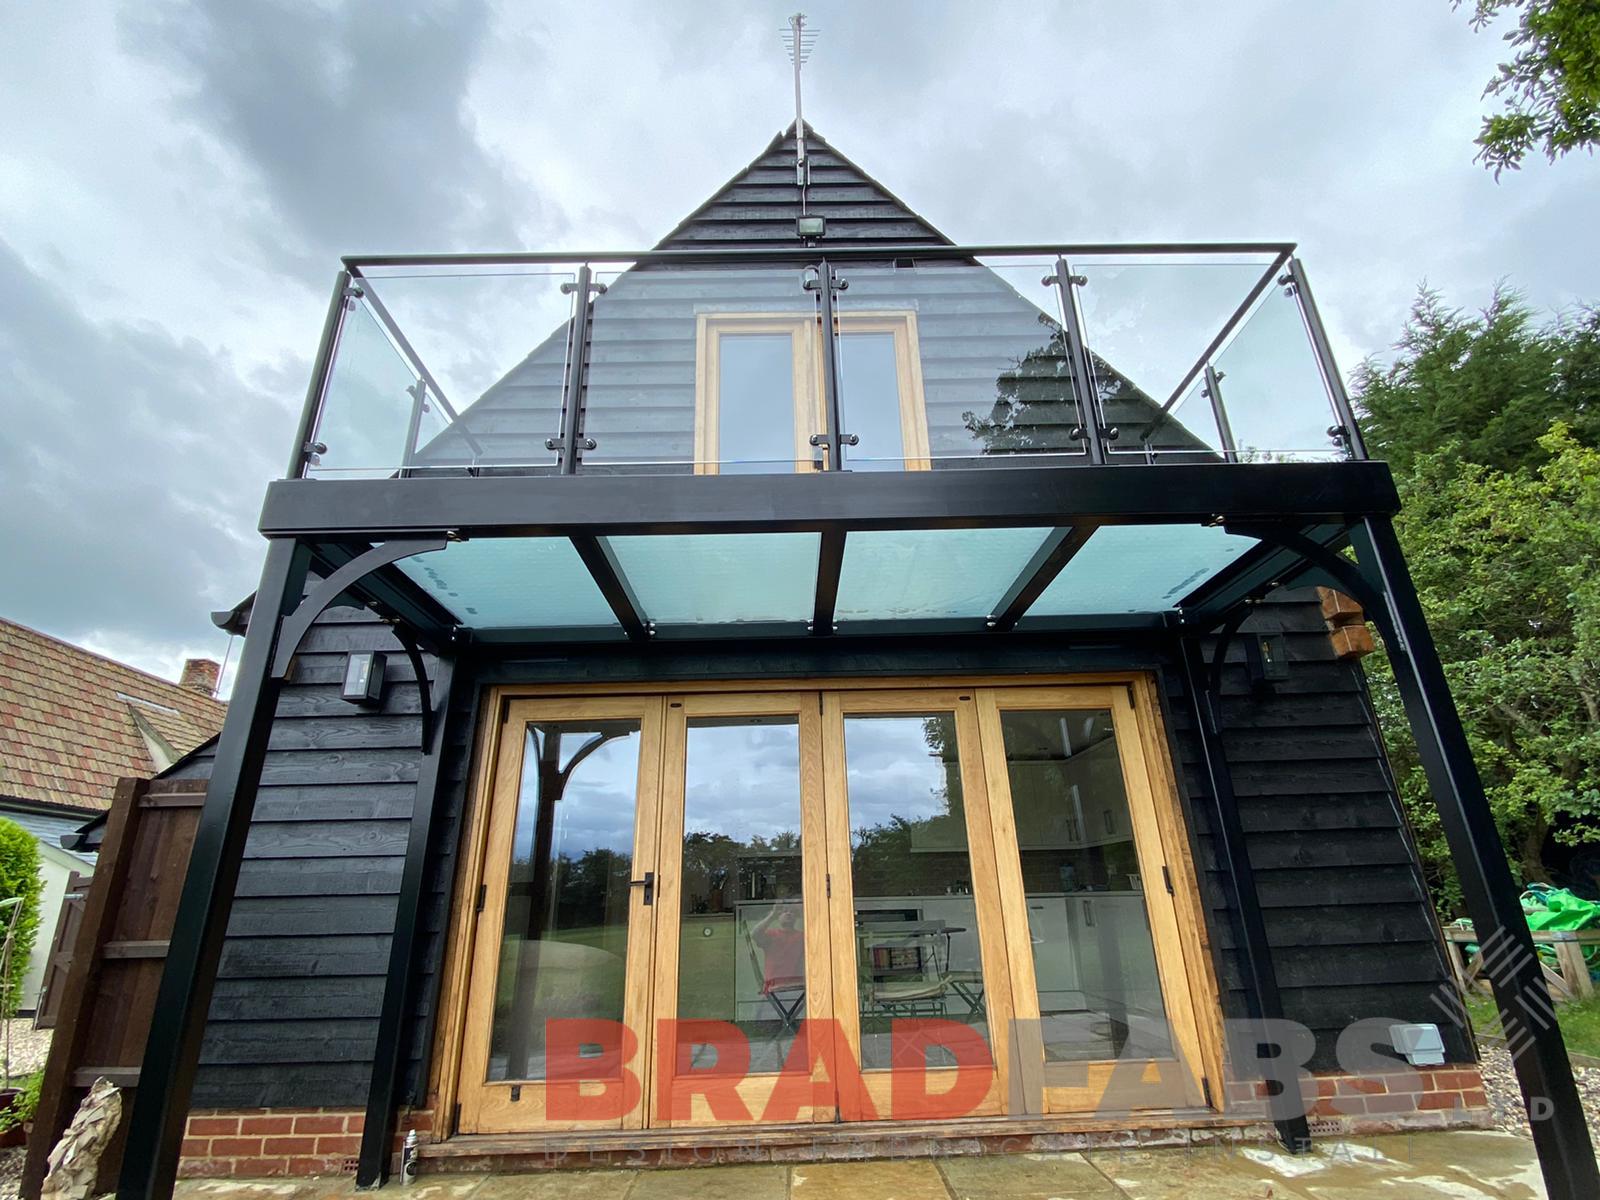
648,883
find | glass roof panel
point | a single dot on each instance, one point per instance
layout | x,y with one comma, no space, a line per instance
721,578
913,574
512,583
1138,569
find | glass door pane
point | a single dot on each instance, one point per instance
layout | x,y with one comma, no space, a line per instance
1093,957
741,938
564,936
916,919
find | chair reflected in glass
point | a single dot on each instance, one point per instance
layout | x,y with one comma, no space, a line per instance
777,948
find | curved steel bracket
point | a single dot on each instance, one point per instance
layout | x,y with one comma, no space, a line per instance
424,690
327,593
1351,579
1229,631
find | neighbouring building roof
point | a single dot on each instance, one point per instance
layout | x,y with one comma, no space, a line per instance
73,722
48,823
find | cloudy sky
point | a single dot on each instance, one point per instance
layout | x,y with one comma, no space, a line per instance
177,181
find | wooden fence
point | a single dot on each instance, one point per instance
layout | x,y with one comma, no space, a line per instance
66,936
105,1000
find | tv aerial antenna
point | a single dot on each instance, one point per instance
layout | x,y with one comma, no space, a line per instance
799,39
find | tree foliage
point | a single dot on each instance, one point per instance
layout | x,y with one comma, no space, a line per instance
1490,424
1550,88
19,877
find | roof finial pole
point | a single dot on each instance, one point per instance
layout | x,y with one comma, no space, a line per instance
799,41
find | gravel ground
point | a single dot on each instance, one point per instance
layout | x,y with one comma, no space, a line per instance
1505,1099
28,1046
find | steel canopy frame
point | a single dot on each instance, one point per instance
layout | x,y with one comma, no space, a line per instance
1299,511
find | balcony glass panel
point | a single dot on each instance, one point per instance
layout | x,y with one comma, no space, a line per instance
954,364
369,403
721,578
490,345
1137,569
702,369
923,574
1272,387
512,583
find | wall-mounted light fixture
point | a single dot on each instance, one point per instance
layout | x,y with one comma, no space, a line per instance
811,225
363,678
1267,655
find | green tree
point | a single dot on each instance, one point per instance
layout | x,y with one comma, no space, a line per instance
1504,563
1550,88
1489,383
19,877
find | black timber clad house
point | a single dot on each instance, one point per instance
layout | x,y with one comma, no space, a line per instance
329,984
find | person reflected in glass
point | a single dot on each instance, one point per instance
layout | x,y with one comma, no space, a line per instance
781,938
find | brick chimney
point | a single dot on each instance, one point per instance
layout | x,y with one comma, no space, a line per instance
200,675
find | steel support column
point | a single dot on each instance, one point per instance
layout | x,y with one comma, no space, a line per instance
1255,953
166,1078
1555,1111
388,1066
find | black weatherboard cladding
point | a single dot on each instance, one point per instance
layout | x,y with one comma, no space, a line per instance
295,1013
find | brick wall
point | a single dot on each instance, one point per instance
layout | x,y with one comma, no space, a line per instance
259,1142
1427,1098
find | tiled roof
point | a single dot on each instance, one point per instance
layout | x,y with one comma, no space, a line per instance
67,724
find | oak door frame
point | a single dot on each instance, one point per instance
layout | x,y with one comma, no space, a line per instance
1156,737
482,1107
755,1090
1158,859
992,944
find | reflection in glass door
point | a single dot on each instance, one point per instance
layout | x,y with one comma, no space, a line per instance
1074,816
916,922
742,953
566,940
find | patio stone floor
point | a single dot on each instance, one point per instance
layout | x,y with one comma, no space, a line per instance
1457,1165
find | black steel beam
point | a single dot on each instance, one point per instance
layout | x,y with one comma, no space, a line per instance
172,1050
613,584
1260,569
1233,857
1555,1110
388,1066
600,505
1055,553
830,562
810,254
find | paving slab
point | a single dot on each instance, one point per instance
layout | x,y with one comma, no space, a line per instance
546,1185
1462,1165
765,1182
317,1188
1203,1173
893,1179
1027,1177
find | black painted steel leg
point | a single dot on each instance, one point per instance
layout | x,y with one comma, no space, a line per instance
166,1078
377,1134
1261,981
1555,1112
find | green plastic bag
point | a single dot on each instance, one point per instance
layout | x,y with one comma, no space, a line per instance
1546,907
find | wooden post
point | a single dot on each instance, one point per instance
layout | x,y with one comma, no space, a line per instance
1569,961
57,1094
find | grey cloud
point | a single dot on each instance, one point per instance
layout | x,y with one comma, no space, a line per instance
352,117
131,470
